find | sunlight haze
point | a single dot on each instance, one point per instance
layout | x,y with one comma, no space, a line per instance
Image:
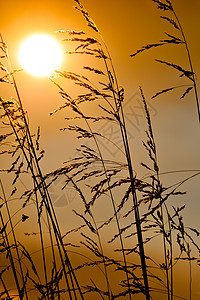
40,55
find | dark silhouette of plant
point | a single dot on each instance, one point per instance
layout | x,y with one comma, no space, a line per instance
141,207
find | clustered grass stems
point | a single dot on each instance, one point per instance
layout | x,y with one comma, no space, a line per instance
117,95
16,116
4,234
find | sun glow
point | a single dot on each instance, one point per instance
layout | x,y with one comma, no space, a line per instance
40,55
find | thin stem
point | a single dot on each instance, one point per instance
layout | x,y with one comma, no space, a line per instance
171,254
41,240
53,252
165,251
5,288
190,273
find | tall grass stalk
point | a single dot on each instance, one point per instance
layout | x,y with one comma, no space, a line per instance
156,168
130,168
190,62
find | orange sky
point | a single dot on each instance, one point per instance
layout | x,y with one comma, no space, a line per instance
125,26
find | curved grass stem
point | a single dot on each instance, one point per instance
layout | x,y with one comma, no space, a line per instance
190,64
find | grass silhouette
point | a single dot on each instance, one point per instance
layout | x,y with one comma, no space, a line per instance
101,183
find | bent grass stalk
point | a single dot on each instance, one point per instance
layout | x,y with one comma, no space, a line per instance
190,63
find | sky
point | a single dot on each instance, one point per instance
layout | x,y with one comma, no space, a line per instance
125,26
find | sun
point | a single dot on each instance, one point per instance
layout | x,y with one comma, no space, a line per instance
40,55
